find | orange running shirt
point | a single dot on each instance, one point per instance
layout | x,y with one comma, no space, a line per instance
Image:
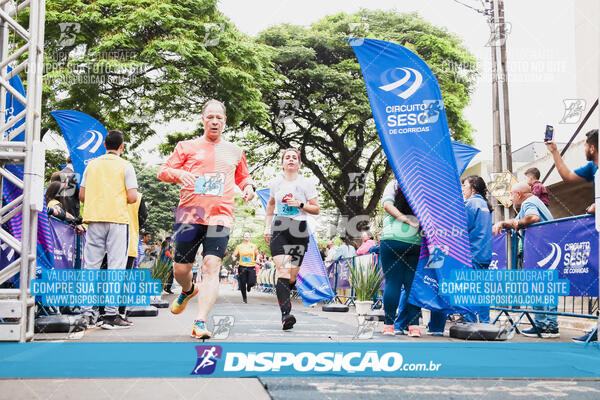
218,166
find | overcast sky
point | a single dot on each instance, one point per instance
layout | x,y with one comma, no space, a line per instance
540,47
541,37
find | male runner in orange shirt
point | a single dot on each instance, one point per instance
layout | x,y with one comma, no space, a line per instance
207,169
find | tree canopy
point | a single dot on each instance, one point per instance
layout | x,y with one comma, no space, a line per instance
319,102
161,200
132,63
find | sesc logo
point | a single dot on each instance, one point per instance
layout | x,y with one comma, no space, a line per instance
207,359
392,75
95,136
574,256
554,256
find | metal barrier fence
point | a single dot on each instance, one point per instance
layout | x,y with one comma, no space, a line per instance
577,231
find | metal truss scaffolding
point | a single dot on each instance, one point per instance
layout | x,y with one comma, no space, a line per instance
24,55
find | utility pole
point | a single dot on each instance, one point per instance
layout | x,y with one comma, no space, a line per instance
505,108
497,166
502,152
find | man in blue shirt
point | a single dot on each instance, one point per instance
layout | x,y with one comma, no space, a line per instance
532,211
585,173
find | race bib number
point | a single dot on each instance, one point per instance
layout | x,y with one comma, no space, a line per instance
246,259
210,184
286,211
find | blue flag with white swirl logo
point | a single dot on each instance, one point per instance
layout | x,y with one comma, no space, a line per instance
84,136
408,110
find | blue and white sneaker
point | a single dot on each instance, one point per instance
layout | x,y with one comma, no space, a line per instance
199,330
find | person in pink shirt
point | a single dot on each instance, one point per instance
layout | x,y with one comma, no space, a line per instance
367,242
208,169
537,188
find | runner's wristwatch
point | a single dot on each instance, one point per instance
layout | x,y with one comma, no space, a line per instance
301,205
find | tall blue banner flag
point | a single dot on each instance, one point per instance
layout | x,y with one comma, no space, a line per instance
463,153
84,136
409,115
312,281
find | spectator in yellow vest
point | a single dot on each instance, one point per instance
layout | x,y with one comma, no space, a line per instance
108,185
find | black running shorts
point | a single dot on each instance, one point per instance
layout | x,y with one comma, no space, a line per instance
290,237
189,237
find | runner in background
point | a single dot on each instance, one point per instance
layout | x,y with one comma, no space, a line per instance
246,270
208,169
293,197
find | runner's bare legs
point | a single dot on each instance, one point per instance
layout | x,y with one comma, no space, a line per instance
209,287
183,275
284,267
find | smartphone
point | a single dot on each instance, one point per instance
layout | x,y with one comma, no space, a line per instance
549,135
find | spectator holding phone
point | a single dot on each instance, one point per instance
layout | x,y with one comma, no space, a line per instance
584,173
581,174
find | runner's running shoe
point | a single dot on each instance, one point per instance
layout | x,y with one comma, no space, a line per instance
199,330
181,301
288,322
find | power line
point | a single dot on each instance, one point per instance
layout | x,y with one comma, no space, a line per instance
485,11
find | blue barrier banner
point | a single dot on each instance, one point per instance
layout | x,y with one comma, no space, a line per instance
312,282
112,287
484,287
84,136
63,237
409,115
343,273
499,260
571,247
342,359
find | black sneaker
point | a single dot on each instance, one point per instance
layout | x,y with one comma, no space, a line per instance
547,333
586,338
550,333
114,322
288,322
532,332
244,301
